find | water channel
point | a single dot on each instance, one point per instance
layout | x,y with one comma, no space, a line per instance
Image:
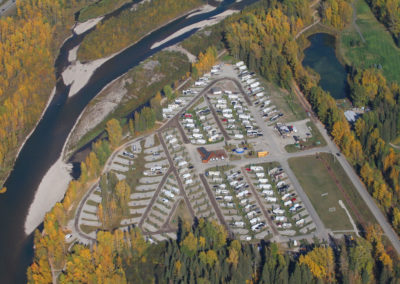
45,144
321,57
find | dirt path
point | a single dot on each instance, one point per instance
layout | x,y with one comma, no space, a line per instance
316,17
354,23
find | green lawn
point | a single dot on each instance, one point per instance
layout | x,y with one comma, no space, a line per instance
379,47
324,193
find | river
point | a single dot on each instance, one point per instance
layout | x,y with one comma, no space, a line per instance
45,144
321,57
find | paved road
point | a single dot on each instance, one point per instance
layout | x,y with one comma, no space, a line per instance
178,178
217,120
213,201
387,228
155,196
261,205
8,5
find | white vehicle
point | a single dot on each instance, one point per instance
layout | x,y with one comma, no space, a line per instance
198,135
186,176
251,214
268,192
228,198
156,168
286,225
214,138
268,109
246,77
188,181
221,101
220,106
199,83
281,183
227,115
230,204
238,136
214,173
68,236
256,168
250,81
244,116
255,220
182,163
300,222
260,175
173,141
201,141
174,189
226,110
165,200
242,194
264,186
288,203
169,194
239,224
286,196
233,96
243,202
255,84
240,63
278,211
270,199
280,218
243,67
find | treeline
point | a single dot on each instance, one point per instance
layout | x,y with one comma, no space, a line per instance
128,27
29,43
50,246
203,253
115,196
205,62
147,117
264,40
336,13
388,13
100,8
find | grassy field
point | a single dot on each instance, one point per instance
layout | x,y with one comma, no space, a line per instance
324,193
286,102
379,47
181,212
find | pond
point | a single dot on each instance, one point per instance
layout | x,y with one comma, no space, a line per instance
321,57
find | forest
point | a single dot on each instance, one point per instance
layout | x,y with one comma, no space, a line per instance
100,8
204,253
26,81
388,13
128,27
